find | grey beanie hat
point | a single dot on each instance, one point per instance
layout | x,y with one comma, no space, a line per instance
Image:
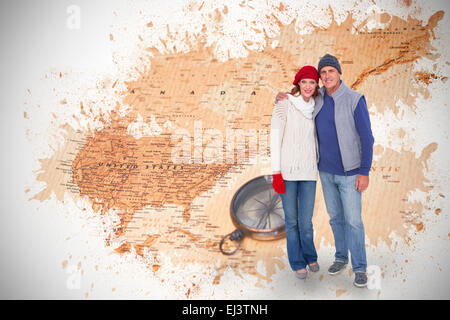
329,60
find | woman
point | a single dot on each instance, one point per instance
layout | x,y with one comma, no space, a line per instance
294,165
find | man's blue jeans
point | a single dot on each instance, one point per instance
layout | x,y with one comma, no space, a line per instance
343,204
298,207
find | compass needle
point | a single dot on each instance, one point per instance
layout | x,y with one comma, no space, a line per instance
260,202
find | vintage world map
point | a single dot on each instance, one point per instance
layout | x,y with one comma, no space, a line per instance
158,156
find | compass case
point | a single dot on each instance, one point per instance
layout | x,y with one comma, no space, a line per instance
257,211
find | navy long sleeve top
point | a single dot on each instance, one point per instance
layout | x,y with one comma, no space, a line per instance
330,159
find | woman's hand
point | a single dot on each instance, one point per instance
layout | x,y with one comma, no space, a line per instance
278,183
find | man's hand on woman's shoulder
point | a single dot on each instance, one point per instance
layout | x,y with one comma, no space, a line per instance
280,96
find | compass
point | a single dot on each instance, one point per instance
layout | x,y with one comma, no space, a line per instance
257,212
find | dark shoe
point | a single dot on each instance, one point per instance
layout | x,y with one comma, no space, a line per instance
360,280
314,267
336,268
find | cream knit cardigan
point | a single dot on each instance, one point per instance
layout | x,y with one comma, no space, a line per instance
293,149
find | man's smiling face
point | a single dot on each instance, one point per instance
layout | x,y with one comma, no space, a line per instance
330,78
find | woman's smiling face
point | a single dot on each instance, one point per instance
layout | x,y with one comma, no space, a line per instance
307,87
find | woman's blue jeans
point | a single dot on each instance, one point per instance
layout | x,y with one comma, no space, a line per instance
298,206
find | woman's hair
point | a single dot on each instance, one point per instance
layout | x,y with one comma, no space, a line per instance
296,90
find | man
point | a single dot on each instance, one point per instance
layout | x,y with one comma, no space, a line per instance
345,145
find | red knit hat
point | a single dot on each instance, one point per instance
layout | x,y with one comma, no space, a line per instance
307,72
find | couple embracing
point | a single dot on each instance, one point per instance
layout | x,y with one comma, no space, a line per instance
322,132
